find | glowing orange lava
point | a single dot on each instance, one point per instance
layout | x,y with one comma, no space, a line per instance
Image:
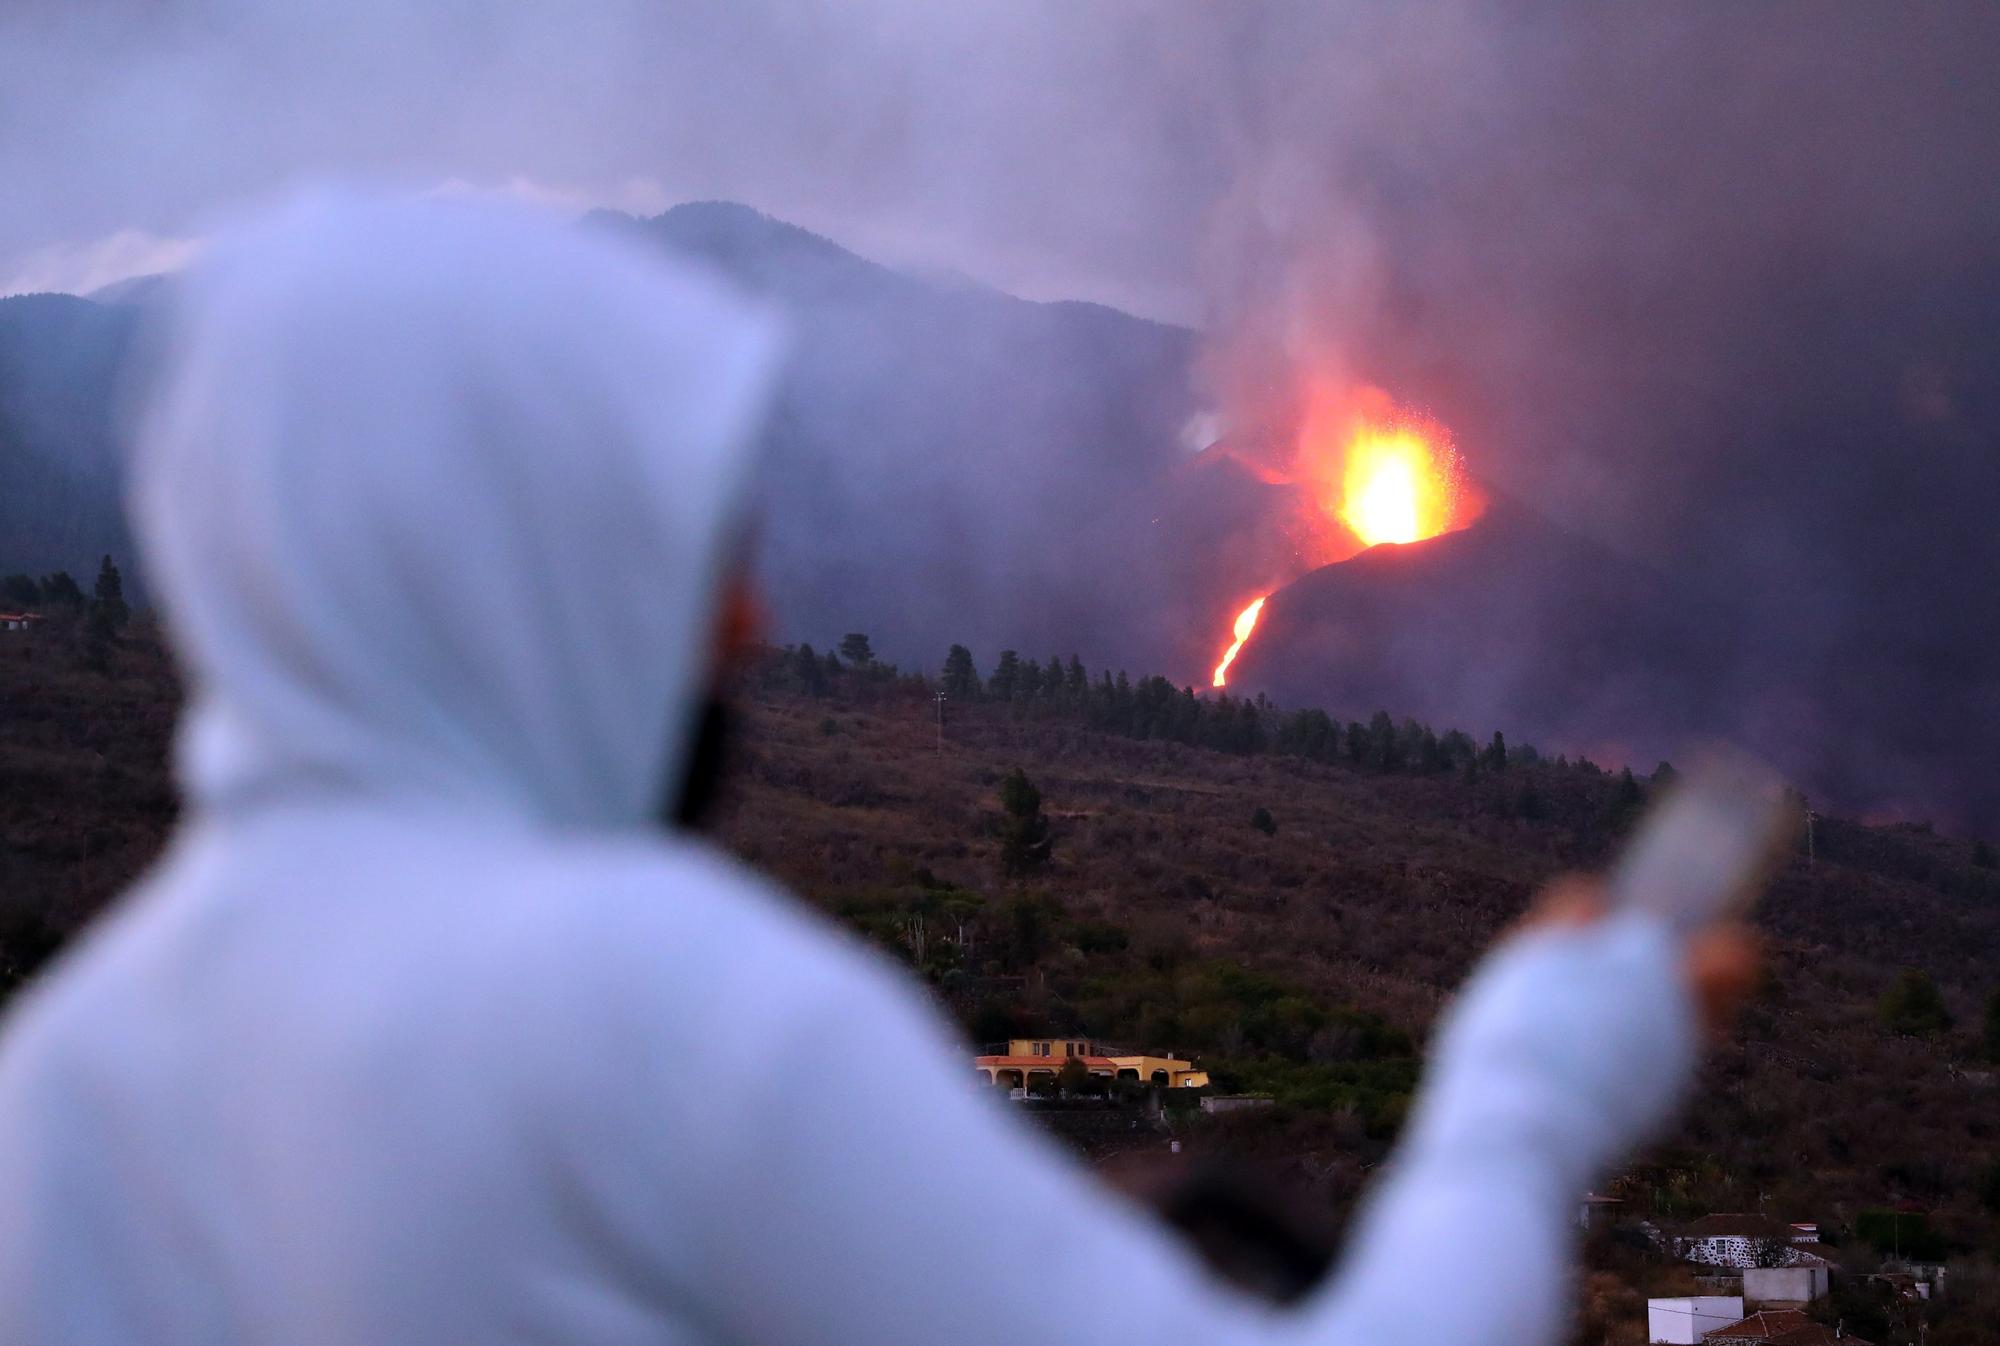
1386,473
1395,488
1246,622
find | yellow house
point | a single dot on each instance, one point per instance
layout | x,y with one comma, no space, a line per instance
1025,1059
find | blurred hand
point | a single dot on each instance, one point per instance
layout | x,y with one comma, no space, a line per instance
1720,967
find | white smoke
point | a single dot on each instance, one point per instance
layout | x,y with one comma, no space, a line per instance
81,268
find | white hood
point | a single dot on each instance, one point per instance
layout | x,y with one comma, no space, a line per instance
421,532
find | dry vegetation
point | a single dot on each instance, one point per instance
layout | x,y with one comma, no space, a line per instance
1302,961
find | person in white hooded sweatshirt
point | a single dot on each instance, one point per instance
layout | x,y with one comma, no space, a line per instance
426,1030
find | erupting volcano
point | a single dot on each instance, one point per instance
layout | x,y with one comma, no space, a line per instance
1370,474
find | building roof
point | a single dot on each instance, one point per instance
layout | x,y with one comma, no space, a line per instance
1043,1062
1816,1334
1737,1226
1781,1327
1761,1326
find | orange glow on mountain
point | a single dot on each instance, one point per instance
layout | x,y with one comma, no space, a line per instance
1246,622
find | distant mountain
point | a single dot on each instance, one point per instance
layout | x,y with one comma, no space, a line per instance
950,462
945,462
60,358
1512,623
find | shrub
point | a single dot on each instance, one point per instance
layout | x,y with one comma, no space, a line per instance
1913,1008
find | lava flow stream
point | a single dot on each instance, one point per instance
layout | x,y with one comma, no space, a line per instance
1246,622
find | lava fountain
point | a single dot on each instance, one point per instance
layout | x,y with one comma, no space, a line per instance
1397,487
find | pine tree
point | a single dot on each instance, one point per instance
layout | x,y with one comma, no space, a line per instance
107,612
1249,737
1458,748
1076,681
60,590
110,595
1006,675
20,591
808,669
854,649
1384,751
1024,831
1028,683
960,679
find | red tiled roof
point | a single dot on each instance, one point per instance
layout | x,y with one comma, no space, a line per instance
1781,1327
1761,1326
1816,1334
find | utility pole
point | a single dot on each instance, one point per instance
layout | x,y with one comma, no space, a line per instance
1811,818
940,699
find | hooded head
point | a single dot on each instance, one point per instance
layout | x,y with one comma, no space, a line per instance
437,498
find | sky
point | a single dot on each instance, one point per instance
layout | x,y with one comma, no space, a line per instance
1179,159
982,137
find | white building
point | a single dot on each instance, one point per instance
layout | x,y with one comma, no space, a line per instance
1799,1283
1743,1241
1684,1321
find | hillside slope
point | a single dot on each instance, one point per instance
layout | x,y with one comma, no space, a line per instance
1303,961
1511,621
